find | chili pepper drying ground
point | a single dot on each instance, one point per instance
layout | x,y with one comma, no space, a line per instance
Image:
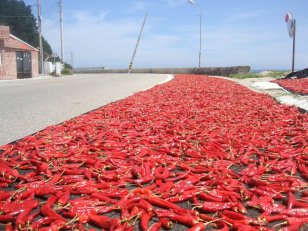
193,153
299,86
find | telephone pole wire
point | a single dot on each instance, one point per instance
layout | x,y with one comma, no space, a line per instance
39,21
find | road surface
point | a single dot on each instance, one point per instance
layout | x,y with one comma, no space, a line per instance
29,105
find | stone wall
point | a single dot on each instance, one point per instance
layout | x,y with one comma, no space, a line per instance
221,71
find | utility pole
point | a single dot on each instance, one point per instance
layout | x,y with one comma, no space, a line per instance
39,21
293,53
61,33
72,60
134,54
200,48
200,17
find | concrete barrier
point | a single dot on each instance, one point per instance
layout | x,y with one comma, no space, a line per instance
221,71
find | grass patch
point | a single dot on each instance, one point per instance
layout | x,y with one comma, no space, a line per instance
272,74
244,76
278,74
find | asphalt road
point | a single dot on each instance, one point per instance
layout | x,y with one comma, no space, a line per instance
29,105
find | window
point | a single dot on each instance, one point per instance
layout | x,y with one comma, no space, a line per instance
0,57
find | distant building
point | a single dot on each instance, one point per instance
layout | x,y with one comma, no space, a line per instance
18,59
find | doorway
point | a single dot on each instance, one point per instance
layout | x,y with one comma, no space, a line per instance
24,64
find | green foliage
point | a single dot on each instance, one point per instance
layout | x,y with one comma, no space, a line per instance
271,74
67,72
278,74
67,66
22,23
244,76
46,47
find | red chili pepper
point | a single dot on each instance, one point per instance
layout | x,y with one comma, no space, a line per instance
296,220
272,218
155,227
15,208
300,204
276,195
291,200
5,195
208,206
183,219
206,217
6,218
165,204
291,228
166,187
223,228
146,206
298,212
102,197
166,223
58,225
182,187
36,225
49,212
240,208
198,227
63,200
234,215
144,220
51,200
104,222
247,228
86,189
44,190
184,196
135,210
208,197
141,191
22,218
8,227
32,216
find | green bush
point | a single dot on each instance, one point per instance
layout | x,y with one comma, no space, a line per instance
67,72
244,76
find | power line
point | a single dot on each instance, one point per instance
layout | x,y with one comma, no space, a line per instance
49,5
15,16
48,29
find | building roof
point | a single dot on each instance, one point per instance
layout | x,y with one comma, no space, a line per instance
10,41
23,44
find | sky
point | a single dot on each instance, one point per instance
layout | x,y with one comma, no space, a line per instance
234,32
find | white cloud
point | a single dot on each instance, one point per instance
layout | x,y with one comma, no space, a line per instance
98,41
239,15
175,3
101,39
140,6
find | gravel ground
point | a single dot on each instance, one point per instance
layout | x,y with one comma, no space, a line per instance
29,105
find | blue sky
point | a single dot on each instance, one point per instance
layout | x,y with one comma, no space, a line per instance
237,32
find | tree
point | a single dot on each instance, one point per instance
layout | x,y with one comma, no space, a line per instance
22,23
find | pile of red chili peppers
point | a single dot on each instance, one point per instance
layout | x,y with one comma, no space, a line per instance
299,86
191,154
